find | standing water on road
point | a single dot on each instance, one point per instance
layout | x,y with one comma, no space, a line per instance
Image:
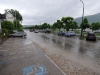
84,52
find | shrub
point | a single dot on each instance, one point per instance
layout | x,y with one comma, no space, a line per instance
4,33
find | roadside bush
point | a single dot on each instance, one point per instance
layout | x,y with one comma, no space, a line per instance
4,33
10,31
20,29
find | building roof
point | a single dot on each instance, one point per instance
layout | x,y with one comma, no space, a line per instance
2,16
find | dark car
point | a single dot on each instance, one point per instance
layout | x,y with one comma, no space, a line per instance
47,31
61,33
18,34
31,30
91,36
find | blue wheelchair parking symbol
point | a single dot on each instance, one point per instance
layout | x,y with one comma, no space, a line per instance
35,70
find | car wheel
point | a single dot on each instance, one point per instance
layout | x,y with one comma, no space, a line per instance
86,39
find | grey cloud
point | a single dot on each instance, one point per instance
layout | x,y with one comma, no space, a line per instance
50,10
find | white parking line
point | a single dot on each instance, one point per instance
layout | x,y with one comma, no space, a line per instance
55,65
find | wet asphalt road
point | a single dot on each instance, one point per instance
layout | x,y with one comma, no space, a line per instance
21,56
87,53
18,55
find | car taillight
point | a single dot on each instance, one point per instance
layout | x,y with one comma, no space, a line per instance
94,35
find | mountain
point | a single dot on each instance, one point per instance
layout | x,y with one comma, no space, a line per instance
91,18
27,25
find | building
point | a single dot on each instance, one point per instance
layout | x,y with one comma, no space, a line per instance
9,17
2,18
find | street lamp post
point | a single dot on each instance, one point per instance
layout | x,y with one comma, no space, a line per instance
38,20
15,20
82,20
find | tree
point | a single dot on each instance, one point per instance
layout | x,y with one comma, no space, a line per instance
95,26
15,13
67,21
49,26
45,26
74,25
7,25
17,25
59,24
85,24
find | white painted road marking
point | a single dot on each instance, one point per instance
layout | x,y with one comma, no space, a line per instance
55,65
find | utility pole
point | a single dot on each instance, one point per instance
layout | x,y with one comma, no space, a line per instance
16,20
82,20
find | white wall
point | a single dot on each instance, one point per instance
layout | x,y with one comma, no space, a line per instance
9,17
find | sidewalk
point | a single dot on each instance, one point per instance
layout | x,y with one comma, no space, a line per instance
21,56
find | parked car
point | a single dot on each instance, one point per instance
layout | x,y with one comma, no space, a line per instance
70,33
42,31
47,31
91,36
31,30
61,33
18,34
36,31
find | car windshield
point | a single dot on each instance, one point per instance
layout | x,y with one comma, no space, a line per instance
91,34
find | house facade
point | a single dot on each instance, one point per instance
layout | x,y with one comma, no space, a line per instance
9,17
2,18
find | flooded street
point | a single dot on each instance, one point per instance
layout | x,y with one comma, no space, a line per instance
84,53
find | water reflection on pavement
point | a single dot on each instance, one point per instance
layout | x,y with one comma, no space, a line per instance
84,52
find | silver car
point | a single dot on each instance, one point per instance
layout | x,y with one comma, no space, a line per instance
18,34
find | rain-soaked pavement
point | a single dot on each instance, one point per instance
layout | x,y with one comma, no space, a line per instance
21,56
73,56
84,54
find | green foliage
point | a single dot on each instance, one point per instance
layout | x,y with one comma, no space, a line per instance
85,24
59,24
17,25
74,25
45,26
21,29
7,25
4,33
95,26
68,22
54,25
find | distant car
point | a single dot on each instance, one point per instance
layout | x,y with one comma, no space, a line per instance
91,36
47,31
61,33
18,34
31,30
42,31
70,33
96,31
36,31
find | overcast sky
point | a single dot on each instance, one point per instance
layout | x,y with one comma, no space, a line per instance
49,11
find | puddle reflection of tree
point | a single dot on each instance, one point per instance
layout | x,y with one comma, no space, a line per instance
68,46
82,49
45,38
